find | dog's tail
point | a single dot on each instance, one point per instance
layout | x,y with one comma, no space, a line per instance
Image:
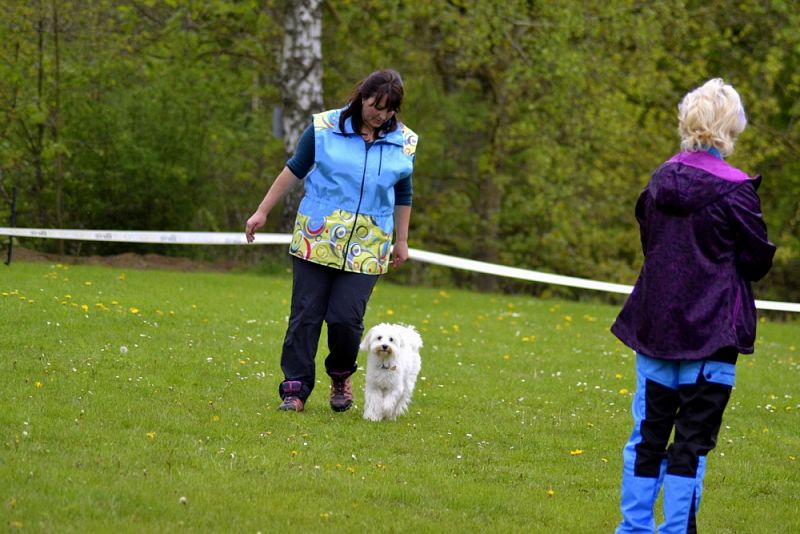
413,339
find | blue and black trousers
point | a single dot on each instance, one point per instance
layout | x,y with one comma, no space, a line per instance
687,397
333,296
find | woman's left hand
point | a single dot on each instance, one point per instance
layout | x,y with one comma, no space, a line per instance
399,253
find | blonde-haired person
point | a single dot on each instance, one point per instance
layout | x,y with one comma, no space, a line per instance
692,311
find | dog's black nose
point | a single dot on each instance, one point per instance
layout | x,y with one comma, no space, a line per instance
384,347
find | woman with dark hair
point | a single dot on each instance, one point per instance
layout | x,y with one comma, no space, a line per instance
357,163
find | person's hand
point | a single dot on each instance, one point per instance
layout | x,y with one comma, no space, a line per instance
399,253
256,221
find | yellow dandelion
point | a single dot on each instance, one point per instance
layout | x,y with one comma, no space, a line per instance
576,452
456,328
87,284
623,391
792,457
151,435
568,318
215,418
85,308
122,277
390,312
294,453
242,362
551,492
38,384
506,357
325,515
618,376
133,310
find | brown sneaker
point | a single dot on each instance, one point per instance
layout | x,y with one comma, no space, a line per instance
341,392
291,404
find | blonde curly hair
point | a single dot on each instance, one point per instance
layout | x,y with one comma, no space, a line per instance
711,115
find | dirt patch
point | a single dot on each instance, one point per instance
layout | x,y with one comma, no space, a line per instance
128,260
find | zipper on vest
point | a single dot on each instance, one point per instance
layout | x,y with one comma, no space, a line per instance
358,208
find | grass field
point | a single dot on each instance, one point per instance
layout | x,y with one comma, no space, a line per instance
145,401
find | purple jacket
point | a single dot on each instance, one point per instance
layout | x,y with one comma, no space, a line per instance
704,240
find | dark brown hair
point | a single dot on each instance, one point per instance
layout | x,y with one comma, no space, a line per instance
378,84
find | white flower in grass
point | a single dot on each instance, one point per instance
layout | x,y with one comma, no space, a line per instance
123,349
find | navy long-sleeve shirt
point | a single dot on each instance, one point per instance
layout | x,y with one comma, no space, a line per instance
303,159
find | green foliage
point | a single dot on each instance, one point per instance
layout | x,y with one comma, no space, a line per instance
539,122
126,390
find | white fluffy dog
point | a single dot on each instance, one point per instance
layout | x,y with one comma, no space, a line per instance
393,363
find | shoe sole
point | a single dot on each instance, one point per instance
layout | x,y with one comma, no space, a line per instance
341,408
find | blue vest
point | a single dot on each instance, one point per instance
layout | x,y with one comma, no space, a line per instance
346,218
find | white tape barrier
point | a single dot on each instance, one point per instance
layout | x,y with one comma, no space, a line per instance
238,238
556,279
166,238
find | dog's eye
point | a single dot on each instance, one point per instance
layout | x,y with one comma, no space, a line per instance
391,340
380,337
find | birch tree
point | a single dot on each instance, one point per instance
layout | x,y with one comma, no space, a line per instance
301,82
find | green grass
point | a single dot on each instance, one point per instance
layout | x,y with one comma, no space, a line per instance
124,391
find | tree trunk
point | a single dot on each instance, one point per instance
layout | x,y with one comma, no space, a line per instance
37,140
301,83
56,125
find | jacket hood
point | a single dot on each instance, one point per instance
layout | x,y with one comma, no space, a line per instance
691,181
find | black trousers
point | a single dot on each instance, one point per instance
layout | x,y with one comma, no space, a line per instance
337,297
